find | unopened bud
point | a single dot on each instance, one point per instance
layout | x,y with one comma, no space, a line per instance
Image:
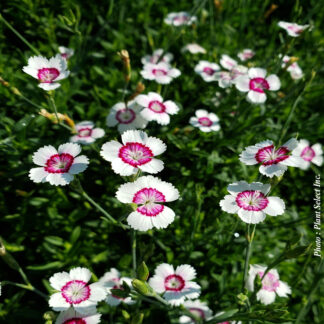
218,5
281,94
137,319
270,10
142,287
142,272
139,89
49,316
123,54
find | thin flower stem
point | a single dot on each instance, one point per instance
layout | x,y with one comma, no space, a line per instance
19,35
30,102
250,238
29,287
293,107
134,252
52,104
80,189
315,285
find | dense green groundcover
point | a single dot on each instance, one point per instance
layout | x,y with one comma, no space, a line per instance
49,229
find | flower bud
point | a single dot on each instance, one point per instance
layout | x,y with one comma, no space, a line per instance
123,54
142,272
137,318
142,287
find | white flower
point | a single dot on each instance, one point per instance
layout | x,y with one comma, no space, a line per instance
126,118
309,154
205,121
207,70
161,72
75,291
255,82
113,280
194,48
179,18
273,161
87,134
250,202
246,54
292,29
138,151
48,72
58,167
271,285
226,79
71,316
65,52
149,194
175,285
155,108
154,58
294,69
198,309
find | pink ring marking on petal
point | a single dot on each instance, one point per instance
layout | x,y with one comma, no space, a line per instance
149,198
259,85
308,154
268,155
174,283
125,116
75,320
59,163
252,200
135,154
208,70
159,72
85,132
197,312
205,121
76,291
270,282
157,107
47,75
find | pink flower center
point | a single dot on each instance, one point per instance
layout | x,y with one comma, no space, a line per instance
224,323
65,55
125,116
268,155
59,163
295,29
252,200
157,106
135,154
181,19
248,55
308,154
205,121
270,282
149,199
208,70
76,291
259,85
159,72
197,312
47,75
84,132
174,283
75,320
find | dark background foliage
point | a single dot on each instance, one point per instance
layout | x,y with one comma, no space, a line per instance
50,229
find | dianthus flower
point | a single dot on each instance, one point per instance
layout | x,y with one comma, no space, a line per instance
205,121
175,285
87,133
48,72
293,29
309,154
161,72
137,152
179,19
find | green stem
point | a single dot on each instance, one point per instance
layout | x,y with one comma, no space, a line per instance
29,287
292,110
134,252
19,35
52,104
250,238
86,196
316,283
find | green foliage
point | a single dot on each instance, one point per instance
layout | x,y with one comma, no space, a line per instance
51,229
